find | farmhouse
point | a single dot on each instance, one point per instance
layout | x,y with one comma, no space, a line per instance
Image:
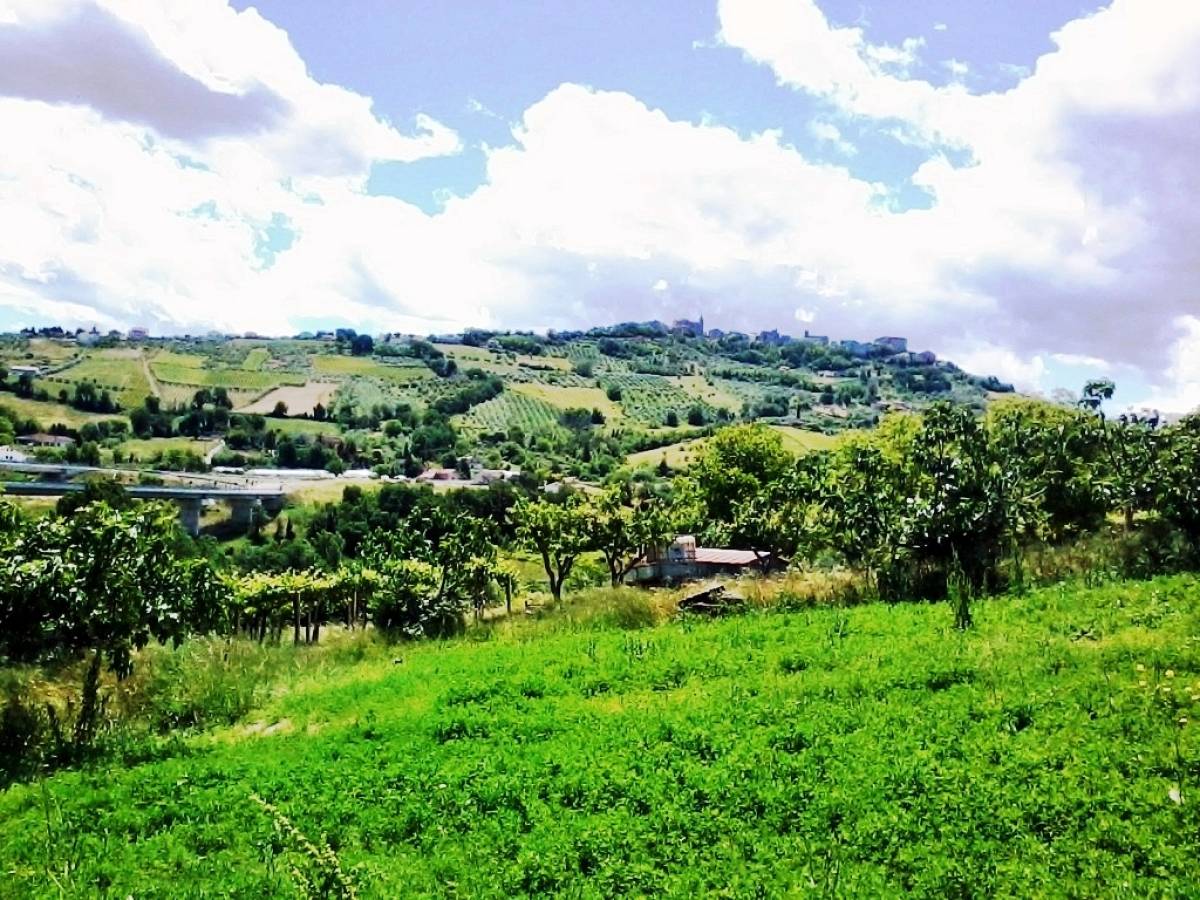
893,344
682,560
46,440
32,371
13,455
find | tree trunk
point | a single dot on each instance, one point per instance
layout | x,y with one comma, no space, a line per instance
508,597
296,620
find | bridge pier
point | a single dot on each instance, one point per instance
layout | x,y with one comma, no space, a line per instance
242,512
189,515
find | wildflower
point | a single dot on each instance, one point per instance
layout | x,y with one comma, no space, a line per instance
1142,683
1175,796
1182,721
1140,667
1170,673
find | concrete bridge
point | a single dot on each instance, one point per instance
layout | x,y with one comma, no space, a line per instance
242,501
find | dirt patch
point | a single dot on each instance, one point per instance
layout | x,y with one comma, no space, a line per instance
299,399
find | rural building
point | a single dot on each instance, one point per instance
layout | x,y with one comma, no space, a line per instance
687,326
46,440
860,349
489,476
773,338
13,455
140,333
822,339
893,344
437,474
682,560
31,371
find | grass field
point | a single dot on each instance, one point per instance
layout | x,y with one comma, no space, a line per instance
399,373
572,397
715,394
147,449
238,379
684,453
256,358
121,371
871,751
299,399
49,413
302,426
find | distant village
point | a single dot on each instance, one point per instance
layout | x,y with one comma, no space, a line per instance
882,347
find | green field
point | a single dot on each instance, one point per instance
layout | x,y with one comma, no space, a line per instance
870,751
49,413
241,379
398,373
145,450
256,359
121,372
530,414
684,453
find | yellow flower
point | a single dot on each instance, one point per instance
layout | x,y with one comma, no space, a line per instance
1182,721
1170,673
1140,667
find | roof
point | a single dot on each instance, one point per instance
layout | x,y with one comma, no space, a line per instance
721,557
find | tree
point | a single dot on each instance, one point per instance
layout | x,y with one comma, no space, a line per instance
362,345
280,411
105,581
736,465
1177,479
624,533
557,532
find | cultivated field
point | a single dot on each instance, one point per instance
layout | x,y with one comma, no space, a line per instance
869,751
300,399
572,398
684,453
49,413
401,372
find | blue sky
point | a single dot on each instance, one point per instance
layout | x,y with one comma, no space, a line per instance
478,66
999,182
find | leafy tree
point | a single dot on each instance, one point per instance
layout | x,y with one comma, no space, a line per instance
736,465
624,533
557,532
1177,479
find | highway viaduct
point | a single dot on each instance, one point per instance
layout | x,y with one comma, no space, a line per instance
242,501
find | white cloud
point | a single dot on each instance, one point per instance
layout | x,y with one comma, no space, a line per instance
1067,231
828,133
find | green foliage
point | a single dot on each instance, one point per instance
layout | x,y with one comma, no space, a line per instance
870,751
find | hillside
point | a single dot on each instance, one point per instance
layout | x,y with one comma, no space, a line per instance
579,404
860,751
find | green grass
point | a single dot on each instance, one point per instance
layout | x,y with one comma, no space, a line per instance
684,453
236,379
302,426
48,413
402,372
871,751
120,371
148,448
256,359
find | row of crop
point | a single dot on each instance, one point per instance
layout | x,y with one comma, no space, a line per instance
531,415
237,379
649,398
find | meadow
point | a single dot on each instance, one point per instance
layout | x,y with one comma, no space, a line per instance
612,749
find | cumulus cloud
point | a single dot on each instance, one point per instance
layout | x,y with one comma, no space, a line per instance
1066,228
1059,220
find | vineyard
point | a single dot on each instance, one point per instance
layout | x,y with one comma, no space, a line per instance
513,408
402,372
238,379
120,372
648,399
563,397
256,359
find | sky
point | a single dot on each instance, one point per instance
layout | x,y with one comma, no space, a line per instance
1007,184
